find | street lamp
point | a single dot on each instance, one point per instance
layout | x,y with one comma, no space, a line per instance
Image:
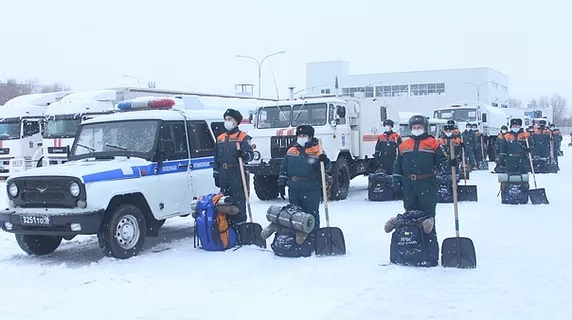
131,77
260,65
478,86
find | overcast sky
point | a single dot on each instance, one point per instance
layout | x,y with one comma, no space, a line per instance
191,45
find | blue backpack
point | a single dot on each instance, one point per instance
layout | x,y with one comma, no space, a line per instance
211,227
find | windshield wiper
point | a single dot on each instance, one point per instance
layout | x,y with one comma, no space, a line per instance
116,147
92,150
302,107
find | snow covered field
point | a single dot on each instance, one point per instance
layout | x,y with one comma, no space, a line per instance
524,270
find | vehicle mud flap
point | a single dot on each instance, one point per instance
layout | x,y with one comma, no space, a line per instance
249,233
458,252
538,196
330,241
467,193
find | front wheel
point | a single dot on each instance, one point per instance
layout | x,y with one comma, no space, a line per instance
123,232
266,187
340,180
38,245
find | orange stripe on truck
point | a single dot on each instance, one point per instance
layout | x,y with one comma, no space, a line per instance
369,138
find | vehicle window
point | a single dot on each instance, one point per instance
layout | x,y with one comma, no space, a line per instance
312,114
218,128
31,128
200,139
61,128
9,129
274,117
383,113
173,140
342,119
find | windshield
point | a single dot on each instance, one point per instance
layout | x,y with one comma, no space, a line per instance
118,138
434,130
285,116
61,128
9,129
459,115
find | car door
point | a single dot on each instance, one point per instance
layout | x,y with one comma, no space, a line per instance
172,174
202,145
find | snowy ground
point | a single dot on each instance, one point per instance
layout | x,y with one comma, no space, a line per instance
524,270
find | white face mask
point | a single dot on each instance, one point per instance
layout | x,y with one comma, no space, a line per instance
302,141
503,131
387,128
515,129
448,134
228,125
417,132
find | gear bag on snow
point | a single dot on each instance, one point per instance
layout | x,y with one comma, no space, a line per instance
212,229
285,243
410,245
380,187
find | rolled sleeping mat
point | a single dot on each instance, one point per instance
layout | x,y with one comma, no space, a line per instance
513,178
224,205
282,215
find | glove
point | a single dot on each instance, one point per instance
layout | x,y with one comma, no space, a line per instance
239,153
454,162
527,150
323,157
282,188
216,180
396,182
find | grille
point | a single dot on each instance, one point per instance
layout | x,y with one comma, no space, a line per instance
46,192
279,146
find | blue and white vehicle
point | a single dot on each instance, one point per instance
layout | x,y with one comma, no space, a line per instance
127,172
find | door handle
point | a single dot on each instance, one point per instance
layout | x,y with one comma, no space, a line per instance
182,165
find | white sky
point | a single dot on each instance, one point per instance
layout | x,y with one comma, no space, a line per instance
191,45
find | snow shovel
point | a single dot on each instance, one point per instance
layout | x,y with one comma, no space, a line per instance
457,252
537,196
329,240
466,193
249,231
483,164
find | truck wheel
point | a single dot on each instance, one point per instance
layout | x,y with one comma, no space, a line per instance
266,187
340,180
38,245
123,232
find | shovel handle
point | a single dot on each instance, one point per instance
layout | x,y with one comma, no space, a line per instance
531,164
455,195
244,186
464,164
324,191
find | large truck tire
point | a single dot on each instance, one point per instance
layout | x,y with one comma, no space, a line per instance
340,180
266,187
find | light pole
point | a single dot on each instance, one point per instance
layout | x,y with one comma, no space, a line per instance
478,86
131,77
260,65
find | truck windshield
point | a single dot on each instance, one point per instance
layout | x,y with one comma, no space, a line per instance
459,115
9,129
315,114
61,128
118,138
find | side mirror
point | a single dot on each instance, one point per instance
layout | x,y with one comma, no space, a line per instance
484,117
341,111
160,157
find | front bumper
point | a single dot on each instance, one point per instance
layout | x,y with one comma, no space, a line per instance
270,168
60,221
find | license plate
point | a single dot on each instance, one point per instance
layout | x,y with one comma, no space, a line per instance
36,221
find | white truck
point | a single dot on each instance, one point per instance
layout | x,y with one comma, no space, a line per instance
489,120
20,131
128,172
435,129
348,128
64,117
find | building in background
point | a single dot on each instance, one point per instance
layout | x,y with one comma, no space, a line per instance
413,91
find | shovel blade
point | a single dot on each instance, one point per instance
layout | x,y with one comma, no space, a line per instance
538,196
250,234
483,165
330,242
467,193
458,252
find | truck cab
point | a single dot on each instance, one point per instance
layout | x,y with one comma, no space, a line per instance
348,130
62,119
127,172
435,129
20,131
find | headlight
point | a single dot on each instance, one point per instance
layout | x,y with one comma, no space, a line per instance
74,189
256,155
13,190
17,163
